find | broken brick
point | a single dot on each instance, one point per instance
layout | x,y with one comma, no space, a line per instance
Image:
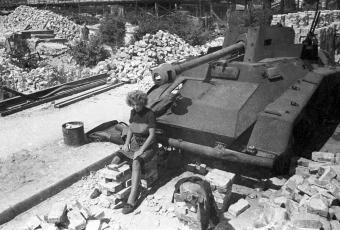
306,189
219,179
281,200
57,213
304,162
318,205
84,211
307,224
111,174
124,168
33,223
301,170
77,221
93,225
237,208
323,157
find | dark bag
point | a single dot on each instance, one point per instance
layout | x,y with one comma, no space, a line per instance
112,131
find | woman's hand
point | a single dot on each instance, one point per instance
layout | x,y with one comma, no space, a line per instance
137,154
125,148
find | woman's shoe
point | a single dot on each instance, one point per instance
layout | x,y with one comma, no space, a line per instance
128,208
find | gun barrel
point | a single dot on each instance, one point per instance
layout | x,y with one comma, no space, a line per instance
179,68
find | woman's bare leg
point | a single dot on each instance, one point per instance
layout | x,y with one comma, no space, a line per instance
135,181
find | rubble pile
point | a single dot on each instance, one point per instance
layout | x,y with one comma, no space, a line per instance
307,200
28,81
133,62
37,19
301,22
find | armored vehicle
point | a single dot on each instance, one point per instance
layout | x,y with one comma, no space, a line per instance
257,101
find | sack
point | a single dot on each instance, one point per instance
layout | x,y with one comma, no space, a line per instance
112,131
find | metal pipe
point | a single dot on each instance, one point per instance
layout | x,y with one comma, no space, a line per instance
223,153
179,68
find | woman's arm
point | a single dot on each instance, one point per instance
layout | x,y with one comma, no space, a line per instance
127,141
146,144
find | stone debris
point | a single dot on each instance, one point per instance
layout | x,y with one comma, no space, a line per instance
240,206
38,19
57,213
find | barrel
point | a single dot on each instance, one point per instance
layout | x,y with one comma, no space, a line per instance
73,133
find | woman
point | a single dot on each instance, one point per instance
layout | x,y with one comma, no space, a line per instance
139,144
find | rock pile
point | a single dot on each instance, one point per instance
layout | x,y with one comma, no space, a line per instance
132,63
307,200
37,19
301,22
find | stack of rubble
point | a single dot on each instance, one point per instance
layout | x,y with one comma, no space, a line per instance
115,184
221,183
37,19
72,217
132,63
309,199
189,201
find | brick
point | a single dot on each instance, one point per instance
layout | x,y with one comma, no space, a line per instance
237,208
106,192
124,168
314,167
57,213
306,189
304,162
32,223
93,225
307,224
301,170
113,187
123,194
84,211
335,225
221,199
278,181
323,157
191,167
220,179
77,221
111,174
318,205
97,212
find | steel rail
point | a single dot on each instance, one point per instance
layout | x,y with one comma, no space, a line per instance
87,95
38,94
59,95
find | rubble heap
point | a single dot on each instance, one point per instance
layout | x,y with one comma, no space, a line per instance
24,16
307,200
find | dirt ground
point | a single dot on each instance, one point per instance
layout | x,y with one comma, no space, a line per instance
32,148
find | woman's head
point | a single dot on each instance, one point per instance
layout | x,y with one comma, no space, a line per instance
137,99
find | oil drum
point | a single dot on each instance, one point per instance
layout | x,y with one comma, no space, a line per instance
73,133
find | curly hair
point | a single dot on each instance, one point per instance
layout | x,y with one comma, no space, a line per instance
136,97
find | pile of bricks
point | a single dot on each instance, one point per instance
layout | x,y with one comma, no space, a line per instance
221,183
310,199
115,183
72,217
